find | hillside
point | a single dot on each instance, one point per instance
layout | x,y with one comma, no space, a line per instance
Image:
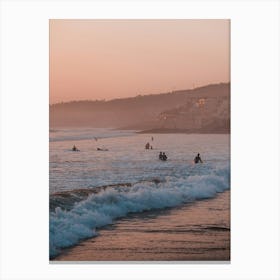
184,109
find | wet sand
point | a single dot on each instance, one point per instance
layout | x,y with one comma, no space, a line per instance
198,231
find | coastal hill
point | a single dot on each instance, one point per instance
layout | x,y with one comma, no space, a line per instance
204,109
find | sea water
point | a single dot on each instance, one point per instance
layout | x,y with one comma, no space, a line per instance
194,231
138,180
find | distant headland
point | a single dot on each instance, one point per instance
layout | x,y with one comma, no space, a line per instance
201,110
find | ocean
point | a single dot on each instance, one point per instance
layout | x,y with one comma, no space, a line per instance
91,189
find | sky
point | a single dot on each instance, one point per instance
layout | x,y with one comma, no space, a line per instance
107,59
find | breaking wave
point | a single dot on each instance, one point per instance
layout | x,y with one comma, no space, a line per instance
93,210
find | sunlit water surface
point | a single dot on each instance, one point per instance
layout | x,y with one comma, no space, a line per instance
153,184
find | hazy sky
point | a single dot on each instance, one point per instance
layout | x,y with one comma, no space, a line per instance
106,59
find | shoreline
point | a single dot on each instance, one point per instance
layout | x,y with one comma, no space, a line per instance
196,231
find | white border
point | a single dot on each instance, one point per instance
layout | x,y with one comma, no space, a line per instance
255,133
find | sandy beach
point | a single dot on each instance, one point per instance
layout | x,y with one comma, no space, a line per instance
196,231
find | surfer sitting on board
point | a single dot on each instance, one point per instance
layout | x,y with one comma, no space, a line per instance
198,159
74,149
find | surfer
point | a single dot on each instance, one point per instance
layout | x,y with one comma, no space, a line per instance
103,149
164,156
198,159
74,149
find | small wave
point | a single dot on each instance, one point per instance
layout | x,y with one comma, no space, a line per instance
94,134
80,221
191,229
67,199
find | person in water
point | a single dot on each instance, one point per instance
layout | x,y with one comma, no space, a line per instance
164,156
74,148
102,149
160,155
198,159
147,146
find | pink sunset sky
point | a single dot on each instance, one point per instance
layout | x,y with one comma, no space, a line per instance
107,59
